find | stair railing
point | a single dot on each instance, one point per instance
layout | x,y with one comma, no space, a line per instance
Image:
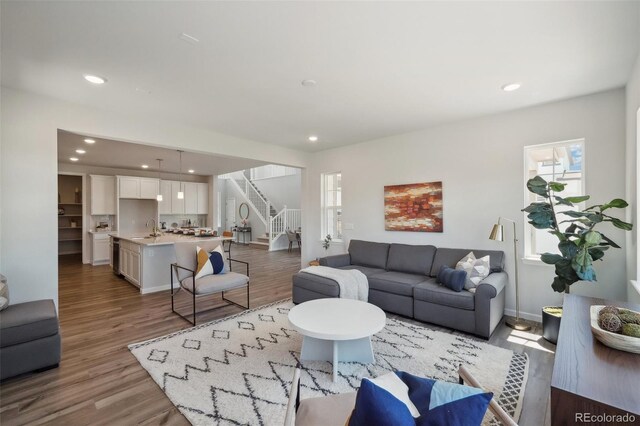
257,201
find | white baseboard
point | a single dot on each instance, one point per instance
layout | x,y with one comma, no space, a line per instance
155,289
524,315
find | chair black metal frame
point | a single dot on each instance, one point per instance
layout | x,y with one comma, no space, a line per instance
174,268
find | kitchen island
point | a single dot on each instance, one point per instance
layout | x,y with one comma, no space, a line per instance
145,261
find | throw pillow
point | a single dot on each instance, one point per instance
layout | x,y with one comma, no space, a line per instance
452,278
437,403
210,263
4,295
476,269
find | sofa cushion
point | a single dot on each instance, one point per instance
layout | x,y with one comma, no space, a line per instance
367,253
395,282
364,269
411,259
429,291
25,322
210,284
450,257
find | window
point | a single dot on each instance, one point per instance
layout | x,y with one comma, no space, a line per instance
332,205
560,162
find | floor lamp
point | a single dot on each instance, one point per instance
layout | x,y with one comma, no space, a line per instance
497,234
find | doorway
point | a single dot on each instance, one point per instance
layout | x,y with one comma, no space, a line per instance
71,218
230,216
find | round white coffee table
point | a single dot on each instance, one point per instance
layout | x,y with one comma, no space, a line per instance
337,330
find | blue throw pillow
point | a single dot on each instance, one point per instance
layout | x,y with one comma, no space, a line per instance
376,406
452,278
438,403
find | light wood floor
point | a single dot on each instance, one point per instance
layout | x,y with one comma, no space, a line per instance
100,382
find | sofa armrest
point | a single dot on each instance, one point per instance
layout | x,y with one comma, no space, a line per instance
491,286
336,261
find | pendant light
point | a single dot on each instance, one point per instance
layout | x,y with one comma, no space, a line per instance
180,192
159,196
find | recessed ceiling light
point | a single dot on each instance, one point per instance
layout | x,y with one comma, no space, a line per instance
144,166
73,159
511,87
95,79
191,171
80,151
309,83
313,138
89,141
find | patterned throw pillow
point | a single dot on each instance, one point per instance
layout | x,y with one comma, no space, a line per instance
4,295
210,263
476,269
430,402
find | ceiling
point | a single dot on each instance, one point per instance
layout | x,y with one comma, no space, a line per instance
382,68
125,155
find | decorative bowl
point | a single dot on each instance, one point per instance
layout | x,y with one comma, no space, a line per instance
613,340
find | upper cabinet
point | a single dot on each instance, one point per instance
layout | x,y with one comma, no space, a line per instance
138,188
190,197
203,198
177,205
103,195
195,201
164,206
149,188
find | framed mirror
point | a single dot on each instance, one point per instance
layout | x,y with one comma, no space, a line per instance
243,210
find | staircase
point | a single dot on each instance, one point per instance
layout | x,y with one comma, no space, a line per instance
275,222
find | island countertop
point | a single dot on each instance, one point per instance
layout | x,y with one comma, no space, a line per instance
163,240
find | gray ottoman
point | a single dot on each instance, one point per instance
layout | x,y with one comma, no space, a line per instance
29,338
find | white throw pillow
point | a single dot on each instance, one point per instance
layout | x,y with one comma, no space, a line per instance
476,269
396,387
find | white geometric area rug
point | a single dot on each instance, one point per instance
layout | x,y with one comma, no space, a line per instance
238,370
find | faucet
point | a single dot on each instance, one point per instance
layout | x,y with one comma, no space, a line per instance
154,230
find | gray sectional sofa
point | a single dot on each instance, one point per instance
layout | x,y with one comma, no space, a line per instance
402,280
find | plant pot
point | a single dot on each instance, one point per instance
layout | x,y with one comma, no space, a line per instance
551,316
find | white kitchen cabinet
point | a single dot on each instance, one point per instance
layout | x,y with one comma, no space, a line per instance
149,188
138,188
129,187
164,206
177,206
100,249
130,265
190,197
135,268
203,198
103,195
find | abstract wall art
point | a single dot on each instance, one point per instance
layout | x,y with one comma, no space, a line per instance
415,207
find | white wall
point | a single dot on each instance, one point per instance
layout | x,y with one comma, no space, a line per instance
28,193
281,191
480,163
632,166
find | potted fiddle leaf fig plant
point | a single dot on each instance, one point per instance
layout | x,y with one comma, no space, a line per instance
580,245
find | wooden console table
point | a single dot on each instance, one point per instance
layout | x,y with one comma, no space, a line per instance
589,377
